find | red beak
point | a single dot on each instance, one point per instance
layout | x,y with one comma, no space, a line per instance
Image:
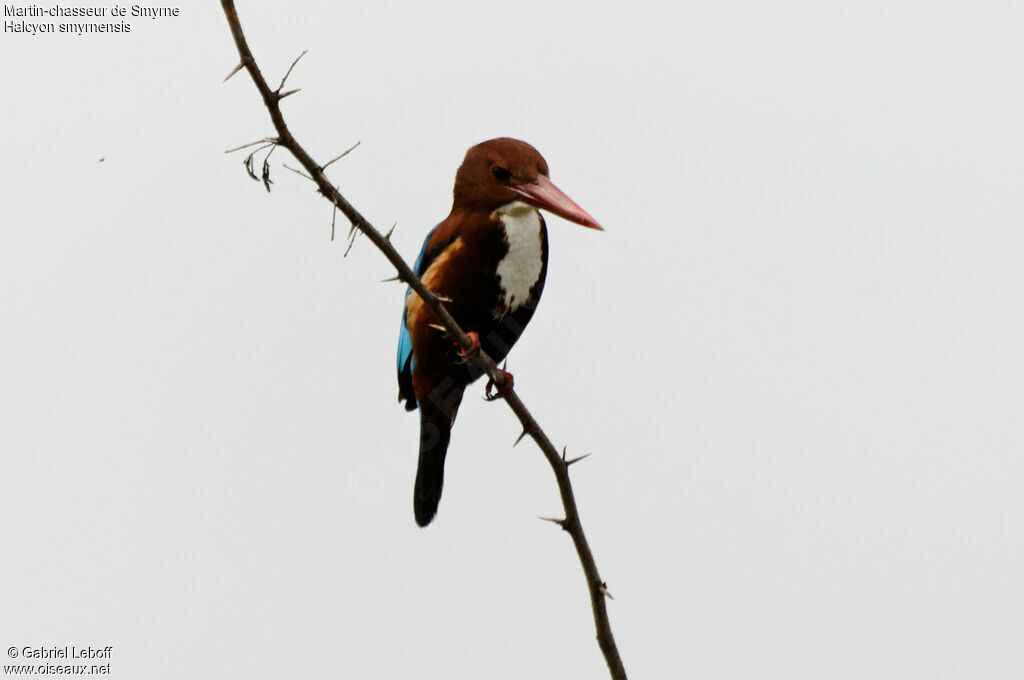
546,196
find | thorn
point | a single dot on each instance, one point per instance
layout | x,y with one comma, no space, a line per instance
396,277
289,72
298,172
340,156
266,140
288,93
438,327
559,522
603,589
235,70
563,453
521,436
387,236
574,460
352,234
334,216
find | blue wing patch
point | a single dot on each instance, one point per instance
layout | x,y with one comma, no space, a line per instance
405,358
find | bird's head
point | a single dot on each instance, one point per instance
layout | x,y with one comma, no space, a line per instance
500,171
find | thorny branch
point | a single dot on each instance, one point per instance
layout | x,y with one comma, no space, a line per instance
560,466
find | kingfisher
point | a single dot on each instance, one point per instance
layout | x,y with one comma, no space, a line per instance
487,262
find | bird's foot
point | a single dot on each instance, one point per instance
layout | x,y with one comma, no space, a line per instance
500,392
474,348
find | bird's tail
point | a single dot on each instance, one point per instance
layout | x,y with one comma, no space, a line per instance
435,433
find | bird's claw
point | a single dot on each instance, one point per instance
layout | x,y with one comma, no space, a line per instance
501,392
474,348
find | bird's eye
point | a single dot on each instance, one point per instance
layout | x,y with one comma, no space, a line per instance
500,173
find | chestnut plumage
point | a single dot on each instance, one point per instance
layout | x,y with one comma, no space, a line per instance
489,258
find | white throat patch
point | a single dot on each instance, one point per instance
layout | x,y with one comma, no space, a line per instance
520,269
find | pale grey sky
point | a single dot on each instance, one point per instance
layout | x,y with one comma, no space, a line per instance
794,354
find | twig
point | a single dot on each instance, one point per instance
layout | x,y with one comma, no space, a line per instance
596,587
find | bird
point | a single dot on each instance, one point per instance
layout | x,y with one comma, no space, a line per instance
487,262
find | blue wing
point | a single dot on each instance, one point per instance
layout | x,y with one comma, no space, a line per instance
405,359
